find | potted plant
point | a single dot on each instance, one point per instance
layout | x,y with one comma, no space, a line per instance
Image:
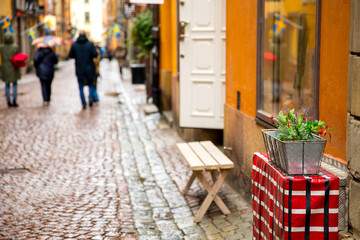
297,145
141,39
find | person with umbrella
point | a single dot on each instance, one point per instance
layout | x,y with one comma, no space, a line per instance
10,74
44,61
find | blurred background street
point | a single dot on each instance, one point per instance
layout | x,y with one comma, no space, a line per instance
176,71
107,172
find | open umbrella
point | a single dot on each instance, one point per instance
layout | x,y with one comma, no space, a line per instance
48,40
269,56
19,60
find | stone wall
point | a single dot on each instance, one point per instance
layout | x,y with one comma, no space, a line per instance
353,125
242,137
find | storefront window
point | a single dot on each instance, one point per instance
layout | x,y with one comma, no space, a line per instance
288,57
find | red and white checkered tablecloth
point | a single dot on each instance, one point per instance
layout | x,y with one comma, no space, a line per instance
293,207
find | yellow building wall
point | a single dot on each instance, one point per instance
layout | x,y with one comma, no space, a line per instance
334,57
6,9
241,54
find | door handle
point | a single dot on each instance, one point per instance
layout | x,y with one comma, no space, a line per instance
182,26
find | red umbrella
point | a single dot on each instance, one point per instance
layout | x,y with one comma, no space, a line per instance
269,56
19,60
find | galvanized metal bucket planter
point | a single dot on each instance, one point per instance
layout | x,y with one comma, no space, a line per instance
300,157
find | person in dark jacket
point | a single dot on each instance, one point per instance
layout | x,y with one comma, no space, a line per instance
44,61
84,51
10,75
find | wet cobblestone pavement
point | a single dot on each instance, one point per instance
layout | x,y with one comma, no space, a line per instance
107,172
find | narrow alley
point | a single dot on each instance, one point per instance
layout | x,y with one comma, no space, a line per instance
107,172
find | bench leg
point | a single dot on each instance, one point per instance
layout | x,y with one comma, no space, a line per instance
212,195
188,185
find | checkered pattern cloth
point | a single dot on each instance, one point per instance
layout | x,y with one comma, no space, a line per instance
293,207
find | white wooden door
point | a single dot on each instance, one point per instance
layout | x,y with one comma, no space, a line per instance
202,63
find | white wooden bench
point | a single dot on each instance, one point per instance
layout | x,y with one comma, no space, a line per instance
206,157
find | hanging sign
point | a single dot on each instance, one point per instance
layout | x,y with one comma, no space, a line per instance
148,1
129,10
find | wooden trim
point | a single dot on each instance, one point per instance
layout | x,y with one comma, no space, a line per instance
259,47
178,40
317,59
264,124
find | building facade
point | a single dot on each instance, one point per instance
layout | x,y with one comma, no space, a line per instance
23,15
286,53
87,15
5,11
63,26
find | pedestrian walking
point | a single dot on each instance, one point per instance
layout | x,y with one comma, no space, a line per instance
44,61
83,51
120,55
97,72
10,74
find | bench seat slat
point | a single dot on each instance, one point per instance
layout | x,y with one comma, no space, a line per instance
194,162
220,157
209,162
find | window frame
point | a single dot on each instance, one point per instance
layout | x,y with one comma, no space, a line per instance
87,14
262,117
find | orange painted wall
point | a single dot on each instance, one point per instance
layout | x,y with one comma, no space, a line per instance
241,64
174,49
165,36
168,36
334,55
241,23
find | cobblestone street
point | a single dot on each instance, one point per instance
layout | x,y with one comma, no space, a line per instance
107,172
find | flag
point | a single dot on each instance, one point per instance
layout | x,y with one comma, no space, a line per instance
6,25
279,26
115,30
32,34
46,27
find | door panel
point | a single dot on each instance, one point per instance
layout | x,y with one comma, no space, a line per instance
202,102
203,15
202,64
204,51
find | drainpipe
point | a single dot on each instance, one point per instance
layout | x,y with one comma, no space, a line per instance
156,92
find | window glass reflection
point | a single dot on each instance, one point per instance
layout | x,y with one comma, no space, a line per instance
287,75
